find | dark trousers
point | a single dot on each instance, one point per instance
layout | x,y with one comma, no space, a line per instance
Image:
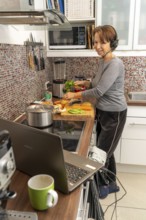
109,130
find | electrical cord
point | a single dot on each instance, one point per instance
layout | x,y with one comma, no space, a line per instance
116,199
95,210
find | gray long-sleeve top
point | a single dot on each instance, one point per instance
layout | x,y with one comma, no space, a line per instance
108,86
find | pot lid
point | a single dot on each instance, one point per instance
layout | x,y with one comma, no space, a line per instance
39,108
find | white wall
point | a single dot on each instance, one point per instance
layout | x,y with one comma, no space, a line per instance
15,34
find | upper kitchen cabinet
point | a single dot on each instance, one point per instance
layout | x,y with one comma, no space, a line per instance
78,40
129,19
16,5
127,16
119,14
22,5
140,25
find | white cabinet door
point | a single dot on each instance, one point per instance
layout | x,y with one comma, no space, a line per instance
135,129
119,14
39,5
133,142
15,5
136,111
133,152
140,24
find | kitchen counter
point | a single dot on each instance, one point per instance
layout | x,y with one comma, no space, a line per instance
67,206
134,103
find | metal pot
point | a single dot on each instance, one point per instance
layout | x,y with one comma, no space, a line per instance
39,116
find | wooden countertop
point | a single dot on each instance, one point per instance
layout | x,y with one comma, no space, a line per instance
134,103
67,206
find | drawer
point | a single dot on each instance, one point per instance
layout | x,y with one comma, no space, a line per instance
136,111
133,152
135,128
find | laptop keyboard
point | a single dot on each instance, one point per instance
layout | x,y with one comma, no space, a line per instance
74,173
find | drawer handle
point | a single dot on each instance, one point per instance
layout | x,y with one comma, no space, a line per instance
132,124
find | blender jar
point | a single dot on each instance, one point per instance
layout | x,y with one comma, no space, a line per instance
59,80
59,68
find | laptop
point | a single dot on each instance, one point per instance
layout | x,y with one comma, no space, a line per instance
38,152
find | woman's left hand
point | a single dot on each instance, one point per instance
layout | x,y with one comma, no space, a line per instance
79,83
69,95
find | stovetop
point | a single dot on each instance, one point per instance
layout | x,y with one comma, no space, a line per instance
69,131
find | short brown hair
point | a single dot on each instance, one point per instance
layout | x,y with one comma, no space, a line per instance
107,33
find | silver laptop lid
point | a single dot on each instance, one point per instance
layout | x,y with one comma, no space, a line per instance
40,152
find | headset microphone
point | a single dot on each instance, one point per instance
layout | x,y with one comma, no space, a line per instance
106,53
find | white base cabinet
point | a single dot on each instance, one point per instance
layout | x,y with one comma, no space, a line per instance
133,152
131,149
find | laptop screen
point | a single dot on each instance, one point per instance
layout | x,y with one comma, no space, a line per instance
69,131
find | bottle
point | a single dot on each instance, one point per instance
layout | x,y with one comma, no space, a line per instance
48,92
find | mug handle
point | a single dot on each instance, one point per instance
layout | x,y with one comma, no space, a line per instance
52,198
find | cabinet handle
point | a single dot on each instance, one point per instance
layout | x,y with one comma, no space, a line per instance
136,124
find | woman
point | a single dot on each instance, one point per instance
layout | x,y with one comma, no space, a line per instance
111,107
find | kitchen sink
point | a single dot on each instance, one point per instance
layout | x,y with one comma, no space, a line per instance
137,96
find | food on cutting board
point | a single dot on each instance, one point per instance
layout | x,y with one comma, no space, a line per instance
58,109
59,105
61,102
87,106
72,106
76,111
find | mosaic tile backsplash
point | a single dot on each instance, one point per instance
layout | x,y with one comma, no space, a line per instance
20,85
135,69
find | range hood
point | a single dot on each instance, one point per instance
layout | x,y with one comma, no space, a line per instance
45,18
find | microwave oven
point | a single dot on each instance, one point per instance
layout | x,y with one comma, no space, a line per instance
68,39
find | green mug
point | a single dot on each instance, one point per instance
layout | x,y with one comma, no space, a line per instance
41,192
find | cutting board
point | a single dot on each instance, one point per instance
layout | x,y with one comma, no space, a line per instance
89,113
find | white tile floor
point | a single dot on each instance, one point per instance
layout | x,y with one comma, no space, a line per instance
133,205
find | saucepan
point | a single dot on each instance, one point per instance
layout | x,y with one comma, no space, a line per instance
39,116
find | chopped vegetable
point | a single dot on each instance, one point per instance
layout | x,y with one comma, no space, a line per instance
76,111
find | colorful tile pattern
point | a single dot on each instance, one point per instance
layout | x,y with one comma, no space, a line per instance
20,85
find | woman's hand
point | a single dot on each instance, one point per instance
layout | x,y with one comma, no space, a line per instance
69,95
85,83
79,83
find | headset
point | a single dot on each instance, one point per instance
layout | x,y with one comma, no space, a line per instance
114,42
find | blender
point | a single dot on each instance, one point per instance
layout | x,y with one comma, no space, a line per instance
59,67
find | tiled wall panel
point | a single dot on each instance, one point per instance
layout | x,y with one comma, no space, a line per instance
135,69
19,85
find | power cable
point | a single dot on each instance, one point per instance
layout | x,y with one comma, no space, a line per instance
116,199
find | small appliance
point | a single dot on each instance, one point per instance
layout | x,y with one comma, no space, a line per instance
68,39
48,91
7,167
59,67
